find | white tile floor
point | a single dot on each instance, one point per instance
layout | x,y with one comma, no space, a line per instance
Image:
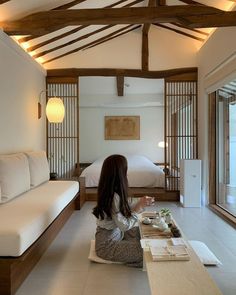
65,268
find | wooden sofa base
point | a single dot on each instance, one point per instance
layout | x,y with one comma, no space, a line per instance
13,271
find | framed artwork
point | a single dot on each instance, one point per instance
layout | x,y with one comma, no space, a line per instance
122,127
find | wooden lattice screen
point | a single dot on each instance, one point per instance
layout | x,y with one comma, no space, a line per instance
180,125
63,138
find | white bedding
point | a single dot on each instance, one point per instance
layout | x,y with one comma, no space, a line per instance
141,172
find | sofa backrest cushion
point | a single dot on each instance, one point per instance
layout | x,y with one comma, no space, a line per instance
14,176
38,166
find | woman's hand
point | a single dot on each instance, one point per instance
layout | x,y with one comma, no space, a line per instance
144,202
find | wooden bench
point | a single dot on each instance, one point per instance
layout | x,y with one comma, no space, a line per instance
178,277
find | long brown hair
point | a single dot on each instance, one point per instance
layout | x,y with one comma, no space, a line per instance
113,179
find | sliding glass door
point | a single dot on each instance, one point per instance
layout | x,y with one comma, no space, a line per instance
226,148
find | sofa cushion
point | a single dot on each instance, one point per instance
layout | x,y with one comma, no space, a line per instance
14,176
38,166
25,218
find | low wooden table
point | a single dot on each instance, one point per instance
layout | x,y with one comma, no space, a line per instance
177,277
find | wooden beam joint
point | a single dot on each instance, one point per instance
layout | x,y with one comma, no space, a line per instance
120,85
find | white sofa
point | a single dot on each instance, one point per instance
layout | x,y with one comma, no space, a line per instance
32,211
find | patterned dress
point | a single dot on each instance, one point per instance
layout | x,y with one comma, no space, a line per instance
118,238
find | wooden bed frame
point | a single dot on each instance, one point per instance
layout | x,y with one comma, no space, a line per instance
13,270
160,194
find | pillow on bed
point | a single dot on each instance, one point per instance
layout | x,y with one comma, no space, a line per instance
14,176
38,166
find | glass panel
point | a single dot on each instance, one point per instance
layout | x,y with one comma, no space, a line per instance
226,148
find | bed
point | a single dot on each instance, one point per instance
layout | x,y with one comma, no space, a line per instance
144,177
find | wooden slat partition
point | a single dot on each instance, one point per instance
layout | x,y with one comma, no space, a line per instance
63,138
180,125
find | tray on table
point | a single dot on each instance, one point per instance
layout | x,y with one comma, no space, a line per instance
150,232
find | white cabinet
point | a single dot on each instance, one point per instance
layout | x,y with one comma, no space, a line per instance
190,183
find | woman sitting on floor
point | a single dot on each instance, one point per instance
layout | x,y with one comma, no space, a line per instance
117,235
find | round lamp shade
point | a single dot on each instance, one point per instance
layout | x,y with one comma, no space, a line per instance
55,110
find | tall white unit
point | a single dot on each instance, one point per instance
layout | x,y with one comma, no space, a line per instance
190,183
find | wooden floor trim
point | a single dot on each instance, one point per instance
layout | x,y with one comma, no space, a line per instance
224,214
159,194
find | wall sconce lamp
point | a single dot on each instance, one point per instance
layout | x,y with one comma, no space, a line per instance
55,110
162,144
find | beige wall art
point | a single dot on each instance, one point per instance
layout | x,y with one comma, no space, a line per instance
122,127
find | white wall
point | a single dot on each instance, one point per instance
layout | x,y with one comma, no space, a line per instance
97,99
217,65
21,80
168,50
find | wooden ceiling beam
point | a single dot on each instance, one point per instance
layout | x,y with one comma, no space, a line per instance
160,2
145,47
72,41
105,72
65,6
191,29
100,40
66,34
120,85
71,4
132,3
145,43
191,2
180,32
68,5
196,15
225,19
116,3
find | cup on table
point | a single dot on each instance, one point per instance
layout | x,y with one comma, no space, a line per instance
150,201
146,220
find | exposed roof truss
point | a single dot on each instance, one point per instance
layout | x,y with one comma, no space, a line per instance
48,41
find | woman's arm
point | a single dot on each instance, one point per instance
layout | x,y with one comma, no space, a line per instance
124,223
143,202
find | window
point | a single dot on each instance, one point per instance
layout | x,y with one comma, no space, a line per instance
222,151
226,148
